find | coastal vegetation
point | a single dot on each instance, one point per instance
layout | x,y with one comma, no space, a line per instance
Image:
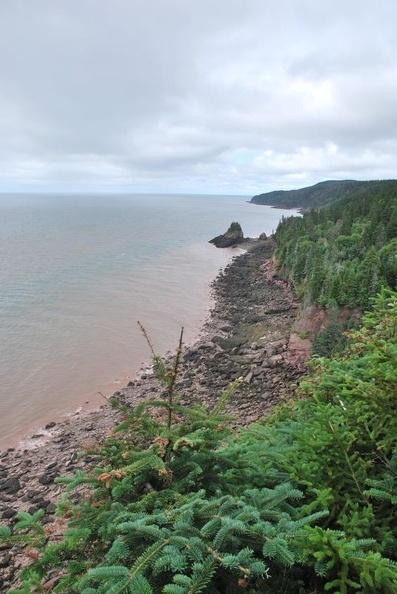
303,501
344,253
340,256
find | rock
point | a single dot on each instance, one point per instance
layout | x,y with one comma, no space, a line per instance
50,508
49,585
11,486
233,236
72,459
46,479
276,360
51,465
248,377
5,560
274,348
8,513
33,494
42,504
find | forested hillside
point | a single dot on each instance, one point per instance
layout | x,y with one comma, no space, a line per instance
344,253
320,194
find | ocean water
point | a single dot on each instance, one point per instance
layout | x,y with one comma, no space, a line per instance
78,272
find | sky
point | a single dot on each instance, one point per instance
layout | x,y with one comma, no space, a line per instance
196,96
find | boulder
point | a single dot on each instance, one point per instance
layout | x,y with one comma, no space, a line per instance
11,486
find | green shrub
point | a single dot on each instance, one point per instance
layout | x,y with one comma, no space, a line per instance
300,503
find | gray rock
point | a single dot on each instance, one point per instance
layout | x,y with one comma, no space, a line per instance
11,486
5,560
276,360
46,479
51,508
8,513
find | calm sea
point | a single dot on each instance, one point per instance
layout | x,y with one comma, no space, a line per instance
78,272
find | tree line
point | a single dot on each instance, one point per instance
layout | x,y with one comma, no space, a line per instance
344,253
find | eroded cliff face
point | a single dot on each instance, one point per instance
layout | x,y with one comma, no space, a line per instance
311,321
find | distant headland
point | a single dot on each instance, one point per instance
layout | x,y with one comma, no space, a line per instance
320,194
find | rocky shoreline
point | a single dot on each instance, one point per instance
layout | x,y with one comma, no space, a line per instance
248,334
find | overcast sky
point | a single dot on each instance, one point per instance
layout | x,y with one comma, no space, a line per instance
198,96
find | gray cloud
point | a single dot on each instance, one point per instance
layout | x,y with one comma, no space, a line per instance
216,96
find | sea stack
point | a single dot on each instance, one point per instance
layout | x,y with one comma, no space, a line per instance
233,236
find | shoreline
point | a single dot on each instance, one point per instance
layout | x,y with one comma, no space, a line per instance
91,400
247,333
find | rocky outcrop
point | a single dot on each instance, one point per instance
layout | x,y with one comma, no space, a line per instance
233,236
